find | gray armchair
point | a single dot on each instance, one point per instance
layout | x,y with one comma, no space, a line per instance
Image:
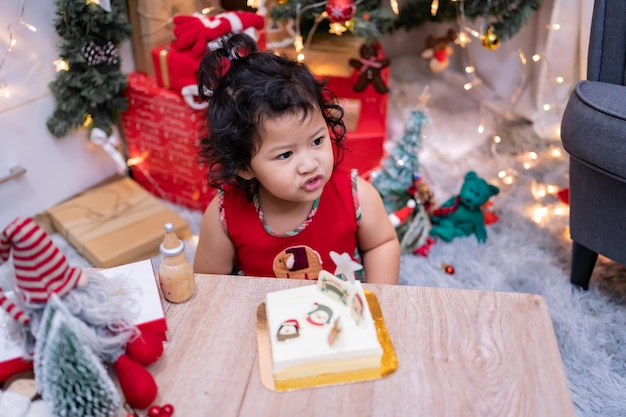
593,132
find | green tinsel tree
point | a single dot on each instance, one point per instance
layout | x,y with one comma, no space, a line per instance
69,374
89,92
398,182
398,170
504,17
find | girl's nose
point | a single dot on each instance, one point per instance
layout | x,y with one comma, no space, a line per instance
307,165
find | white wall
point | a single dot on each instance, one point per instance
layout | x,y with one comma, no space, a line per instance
56,168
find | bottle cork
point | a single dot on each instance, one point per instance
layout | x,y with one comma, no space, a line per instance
175,272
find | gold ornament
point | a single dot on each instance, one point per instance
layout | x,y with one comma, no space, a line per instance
87,120
337,29
490,39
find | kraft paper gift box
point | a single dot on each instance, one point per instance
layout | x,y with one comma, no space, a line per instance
161,133
116,223
152,25
150,316
328,58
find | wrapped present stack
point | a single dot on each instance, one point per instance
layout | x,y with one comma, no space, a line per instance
161,133
165,120
176,65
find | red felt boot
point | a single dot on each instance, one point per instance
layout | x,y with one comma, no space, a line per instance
137,384
145,349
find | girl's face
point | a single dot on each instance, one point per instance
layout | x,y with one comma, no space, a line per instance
295,159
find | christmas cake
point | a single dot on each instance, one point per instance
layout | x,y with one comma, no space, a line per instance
322,334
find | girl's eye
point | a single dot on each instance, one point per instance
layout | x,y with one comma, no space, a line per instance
318,141
284,155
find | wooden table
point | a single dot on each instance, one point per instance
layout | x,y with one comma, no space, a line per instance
460,353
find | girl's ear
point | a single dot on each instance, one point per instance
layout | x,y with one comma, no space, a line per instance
246,174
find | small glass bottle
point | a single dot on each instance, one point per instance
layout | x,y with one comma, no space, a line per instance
175,272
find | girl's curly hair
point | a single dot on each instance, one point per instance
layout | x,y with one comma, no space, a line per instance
244,87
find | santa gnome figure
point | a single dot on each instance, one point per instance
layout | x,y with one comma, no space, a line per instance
42,273
401,215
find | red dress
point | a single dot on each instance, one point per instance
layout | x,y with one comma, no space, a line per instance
302,253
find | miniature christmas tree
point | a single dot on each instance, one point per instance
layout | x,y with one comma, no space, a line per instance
397,172
400,185
89,84
70,376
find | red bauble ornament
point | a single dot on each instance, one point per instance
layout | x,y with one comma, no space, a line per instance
448,269
166,411
340,11
154,411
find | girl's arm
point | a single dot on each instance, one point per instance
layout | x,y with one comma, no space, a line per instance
377,238
215,252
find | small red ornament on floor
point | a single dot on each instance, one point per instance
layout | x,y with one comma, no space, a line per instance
563,195
166,411
488,213
448,269
424,250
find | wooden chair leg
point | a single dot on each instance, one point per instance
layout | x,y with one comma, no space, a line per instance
583,261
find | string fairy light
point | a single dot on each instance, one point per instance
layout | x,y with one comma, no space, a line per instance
4,89
298,42
470,69
474,81
61,65
394,6
434,7
11,44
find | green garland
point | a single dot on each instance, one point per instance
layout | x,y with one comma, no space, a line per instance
506,17
370,21
90,92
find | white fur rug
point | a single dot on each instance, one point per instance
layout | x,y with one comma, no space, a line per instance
520,255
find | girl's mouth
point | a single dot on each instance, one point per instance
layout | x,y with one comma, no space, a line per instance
313,184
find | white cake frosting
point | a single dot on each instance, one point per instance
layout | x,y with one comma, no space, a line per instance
301,322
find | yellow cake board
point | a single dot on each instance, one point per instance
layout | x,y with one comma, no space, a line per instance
388,363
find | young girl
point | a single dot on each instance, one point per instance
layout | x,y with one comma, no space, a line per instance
284,208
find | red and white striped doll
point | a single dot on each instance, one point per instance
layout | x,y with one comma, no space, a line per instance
103,303
40,267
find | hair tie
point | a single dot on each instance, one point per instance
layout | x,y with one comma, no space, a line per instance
233,54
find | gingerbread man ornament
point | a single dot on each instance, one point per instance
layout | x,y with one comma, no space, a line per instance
369,67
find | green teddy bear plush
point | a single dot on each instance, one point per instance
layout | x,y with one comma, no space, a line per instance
462,215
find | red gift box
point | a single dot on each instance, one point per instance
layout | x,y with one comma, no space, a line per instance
364,145
161,133
151,317
328,58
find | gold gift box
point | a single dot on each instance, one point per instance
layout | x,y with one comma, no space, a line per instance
328,55
115,224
